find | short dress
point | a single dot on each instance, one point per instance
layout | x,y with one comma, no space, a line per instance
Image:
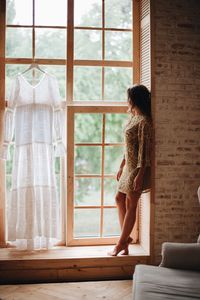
138,140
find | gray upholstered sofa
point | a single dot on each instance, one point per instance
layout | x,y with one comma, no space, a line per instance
177,277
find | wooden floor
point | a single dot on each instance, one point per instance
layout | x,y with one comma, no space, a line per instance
107,290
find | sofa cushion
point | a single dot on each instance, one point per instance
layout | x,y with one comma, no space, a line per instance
185,256
152,283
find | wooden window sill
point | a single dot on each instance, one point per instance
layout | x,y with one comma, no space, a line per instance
60,252
68,264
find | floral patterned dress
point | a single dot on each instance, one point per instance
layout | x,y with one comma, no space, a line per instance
138,136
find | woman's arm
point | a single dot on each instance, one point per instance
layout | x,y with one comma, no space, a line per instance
122,163
144,140
139,179
119,173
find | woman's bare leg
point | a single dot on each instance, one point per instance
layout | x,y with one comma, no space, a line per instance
120,200
130,217
129,221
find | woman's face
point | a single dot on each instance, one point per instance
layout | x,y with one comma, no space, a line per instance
132,109
130,106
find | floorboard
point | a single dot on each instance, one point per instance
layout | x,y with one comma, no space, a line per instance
106,290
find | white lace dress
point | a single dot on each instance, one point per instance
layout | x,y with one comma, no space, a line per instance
34,118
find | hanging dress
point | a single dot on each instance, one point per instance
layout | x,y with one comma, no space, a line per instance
34,118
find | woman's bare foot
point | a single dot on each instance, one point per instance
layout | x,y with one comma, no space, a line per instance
126,251
121,247
117,249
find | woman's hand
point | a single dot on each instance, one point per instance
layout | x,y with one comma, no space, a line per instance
119,173
137,183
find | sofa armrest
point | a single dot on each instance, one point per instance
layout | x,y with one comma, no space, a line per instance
181,256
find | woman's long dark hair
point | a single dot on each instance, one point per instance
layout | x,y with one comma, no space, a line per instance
139,96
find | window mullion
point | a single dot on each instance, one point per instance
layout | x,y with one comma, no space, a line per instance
102,174
33,32
70,50
136,40
70,174
2,106
103,47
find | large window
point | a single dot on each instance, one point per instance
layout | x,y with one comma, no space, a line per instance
102,70
91,47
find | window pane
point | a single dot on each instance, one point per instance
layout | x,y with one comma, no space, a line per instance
87,44
110,189
86,223
60,73
8,183
58,185
19,42
117,80
9,166
113,158
118,14
9,163
114,128
87,83
57,165
118,45
88,13
88,128
19,12
33,76
87,191
11,72
50,43
51,12
83,162
111,223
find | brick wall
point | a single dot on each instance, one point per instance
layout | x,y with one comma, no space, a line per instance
177,121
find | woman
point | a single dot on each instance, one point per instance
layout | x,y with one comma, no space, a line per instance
134,171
